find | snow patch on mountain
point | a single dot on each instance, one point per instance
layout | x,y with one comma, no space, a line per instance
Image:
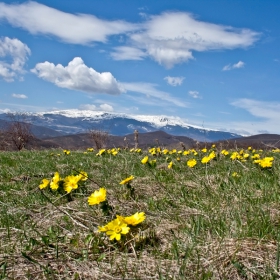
157,121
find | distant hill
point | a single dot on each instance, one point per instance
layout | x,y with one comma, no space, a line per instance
36,130
259,141
83,141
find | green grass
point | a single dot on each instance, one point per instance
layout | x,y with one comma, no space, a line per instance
201,222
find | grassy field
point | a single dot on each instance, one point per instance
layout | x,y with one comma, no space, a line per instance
218,219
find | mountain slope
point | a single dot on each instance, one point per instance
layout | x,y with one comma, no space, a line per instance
78,121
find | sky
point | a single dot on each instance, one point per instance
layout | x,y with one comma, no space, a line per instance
213,63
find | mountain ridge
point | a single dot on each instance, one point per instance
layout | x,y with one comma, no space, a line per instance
75,121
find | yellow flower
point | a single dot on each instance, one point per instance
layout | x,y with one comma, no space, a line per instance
204,150
224,152
191,162
213,146
83,175
266,162
185,153
71,183
145,160
115,229
90,149
44,184
55,181
235,155
66,152
212,155
127,180
165,151
205,159
170,165
235,174
97,197
135,219
101,152
255,156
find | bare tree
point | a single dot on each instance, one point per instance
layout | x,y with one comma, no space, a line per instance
99,137
18,130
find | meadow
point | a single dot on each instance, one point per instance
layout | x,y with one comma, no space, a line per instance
140,214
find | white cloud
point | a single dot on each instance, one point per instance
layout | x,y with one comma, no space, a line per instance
20,96
77,76
239,64
101,107
128,53
151,90
194,94
106,107
267,114
174,81
170,38
262,109
15,54
72,28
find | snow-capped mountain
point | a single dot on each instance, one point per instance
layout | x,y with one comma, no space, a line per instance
81,121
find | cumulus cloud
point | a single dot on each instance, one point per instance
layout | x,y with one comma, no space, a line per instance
239,64
72,28
150,90
174,81
101,107
20,96
77,76
170,38
15,54
194,94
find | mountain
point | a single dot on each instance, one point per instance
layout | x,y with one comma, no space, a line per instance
36,130
148,139
68,122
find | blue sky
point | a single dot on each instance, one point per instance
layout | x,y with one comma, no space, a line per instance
213,63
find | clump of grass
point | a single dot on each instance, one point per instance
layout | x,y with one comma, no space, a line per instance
215,219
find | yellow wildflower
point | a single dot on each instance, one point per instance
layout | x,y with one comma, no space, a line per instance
101,152
71,183
145,160
97,197
135,219
115,229
66,152
205,159
170,165
55,181
191,162
204,150
224,152
83,175
127,180
44,184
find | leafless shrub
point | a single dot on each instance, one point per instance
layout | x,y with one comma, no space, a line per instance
18,130
99,137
